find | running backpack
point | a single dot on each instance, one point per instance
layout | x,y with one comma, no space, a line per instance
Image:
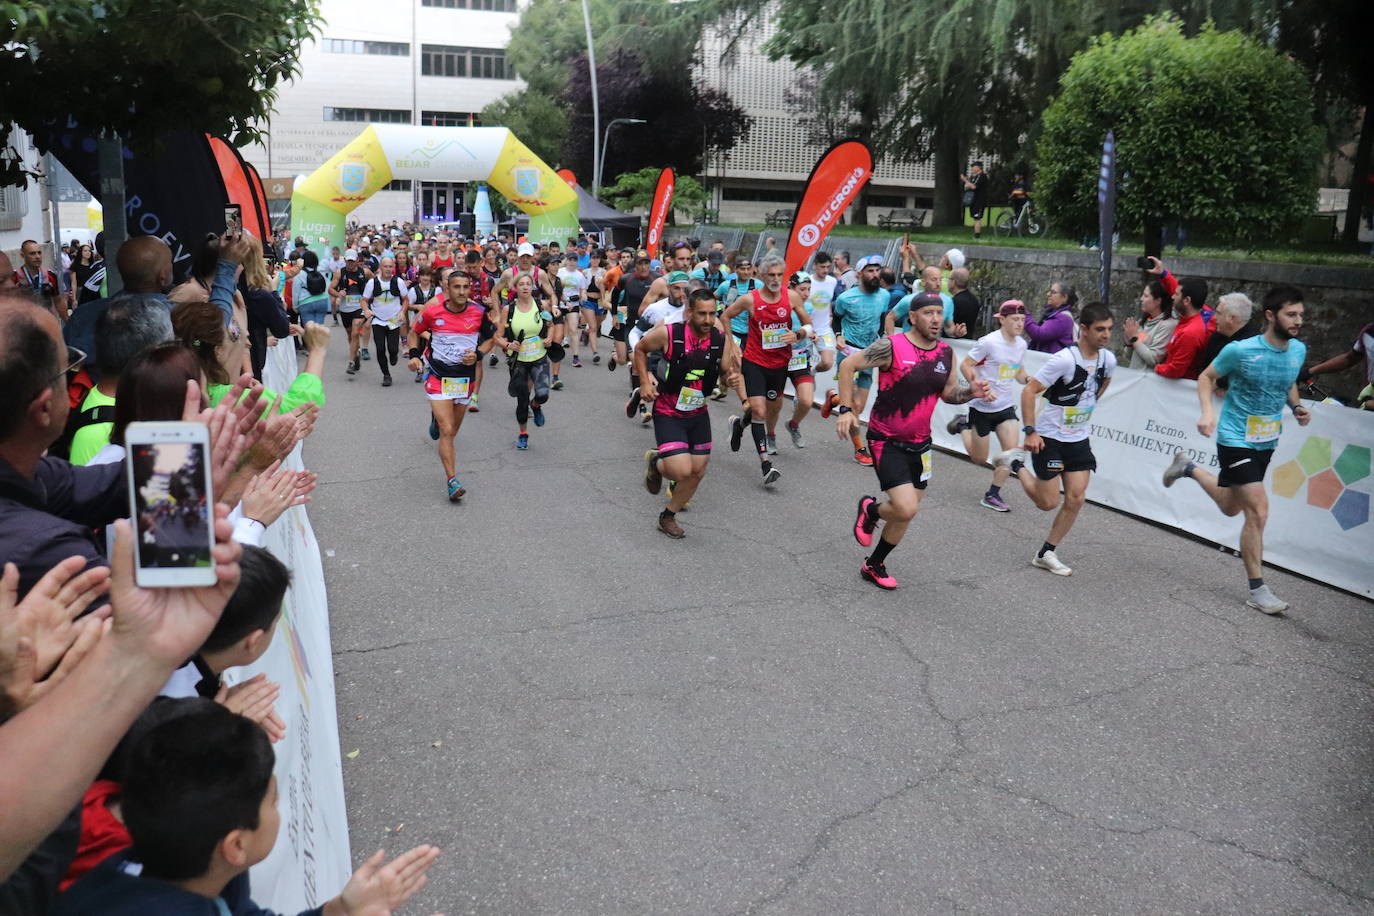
677,366
315,283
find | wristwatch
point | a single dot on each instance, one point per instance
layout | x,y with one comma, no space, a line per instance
1028,430
844,408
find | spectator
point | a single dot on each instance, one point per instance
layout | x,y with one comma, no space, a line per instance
83,265
266,313
1363,348
1232,323
968,311
899,316
152,387
976,196
953,259
33,276
1055,329
1020,193
7,281
844,273
215,268
1190,337
145,264
1146,343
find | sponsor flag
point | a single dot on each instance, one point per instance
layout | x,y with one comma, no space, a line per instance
568,176
658,213
1106,216
243,187
836,180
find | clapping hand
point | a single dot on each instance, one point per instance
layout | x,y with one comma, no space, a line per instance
254,699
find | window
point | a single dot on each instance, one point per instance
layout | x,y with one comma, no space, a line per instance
476,63
496,6
400,184
450,118
349,46
370,115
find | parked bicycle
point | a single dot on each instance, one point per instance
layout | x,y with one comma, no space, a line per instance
1028,222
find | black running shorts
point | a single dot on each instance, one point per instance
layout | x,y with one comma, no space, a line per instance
898,463
763,383
1240,465
1057,457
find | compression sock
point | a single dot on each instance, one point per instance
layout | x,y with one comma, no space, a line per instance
880,552
994,490
760,435
1047,548
1256,583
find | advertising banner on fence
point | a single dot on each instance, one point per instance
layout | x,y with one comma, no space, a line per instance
658,211
311,861
836,180
1320,481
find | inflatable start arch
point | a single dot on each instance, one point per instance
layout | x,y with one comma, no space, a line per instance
321,203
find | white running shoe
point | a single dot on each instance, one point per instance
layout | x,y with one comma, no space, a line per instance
1052,563
1261,599
1004,459
1177,468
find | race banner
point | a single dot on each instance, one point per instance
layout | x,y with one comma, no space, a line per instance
658,212
1106,216
836,180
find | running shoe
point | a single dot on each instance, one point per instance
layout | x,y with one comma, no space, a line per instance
736,433
863,529
493,361
1176,469
771,443
1052,563
832,400
455,490
669,526
538,413
632,405
472,405
1004,459
645,417
364,354
434,428
862,456
719,394
386,381
653,478
596,357
610,363
795,433
877,574
577,362
557,384
1262,599
352,368
419,375
522,441
995,503
771,476
957,425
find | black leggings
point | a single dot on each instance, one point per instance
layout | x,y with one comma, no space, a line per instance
521,375
388,343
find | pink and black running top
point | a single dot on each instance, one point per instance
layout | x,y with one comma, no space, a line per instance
907,390
690,399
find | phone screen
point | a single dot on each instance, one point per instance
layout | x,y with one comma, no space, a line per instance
233,217
171,504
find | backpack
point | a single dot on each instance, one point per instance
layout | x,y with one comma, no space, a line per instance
315,284
394,288
677,366
78,386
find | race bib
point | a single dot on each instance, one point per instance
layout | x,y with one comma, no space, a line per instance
825,340
1264,428
1007,371
394,322
623,312
797,362
353,303
690,399
1077,416
532,347
456,388
772,337
925,465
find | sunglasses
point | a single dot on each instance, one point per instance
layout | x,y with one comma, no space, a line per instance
1014,310
75,359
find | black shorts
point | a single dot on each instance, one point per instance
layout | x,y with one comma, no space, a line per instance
1240,465
348,318
1057,457
984,423
898,463
683,435
976,210
763,383
802,376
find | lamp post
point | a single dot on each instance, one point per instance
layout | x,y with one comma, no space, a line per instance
596,101
596,184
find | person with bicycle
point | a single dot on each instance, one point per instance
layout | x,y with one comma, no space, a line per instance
1020,195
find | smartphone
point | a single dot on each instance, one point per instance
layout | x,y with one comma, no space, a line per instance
171,504
1143,262
233,217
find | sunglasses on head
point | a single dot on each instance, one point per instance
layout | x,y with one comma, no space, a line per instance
1013,310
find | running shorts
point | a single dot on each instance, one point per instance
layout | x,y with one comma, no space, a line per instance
682,435
864,378
763,383
984,423
1240,465
897,463
458,390
1057,457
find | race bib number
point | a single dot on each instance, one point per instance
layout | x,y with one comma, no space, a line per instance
623,312
353,303
1077,416
797,362
690,399
394,321
772,337
1007,371
926,465
825,340
1263,428
456,388
532,347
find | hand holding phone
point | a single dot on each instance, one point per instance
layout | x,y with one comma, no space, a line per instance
233,217
171,503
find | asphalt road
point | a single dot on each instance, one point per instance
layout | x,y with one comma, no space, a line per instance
591,718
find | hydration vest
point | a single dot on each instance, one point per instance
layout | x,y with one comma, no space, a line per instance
677,364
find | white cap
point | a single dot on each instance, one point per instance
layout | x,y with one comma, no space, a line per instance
351,255
525,248
872,259
956,258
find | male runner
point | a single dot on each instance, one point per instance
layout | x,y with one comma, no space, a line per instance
741,282
1262,374
767,351
822,297
454,324
997,359
664,311
693,351
346,293
679,261
914,368
574,284
629,296
859,313
1073,381
799,371
384,301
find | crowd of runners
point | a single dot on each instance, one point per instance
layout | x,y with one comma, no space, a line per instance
700,324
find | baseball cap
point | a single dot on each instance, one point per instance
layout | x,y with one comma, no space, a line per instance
872,260
715,257
678,276
956,258
925,300
1012,307
525,248
351,255
801,277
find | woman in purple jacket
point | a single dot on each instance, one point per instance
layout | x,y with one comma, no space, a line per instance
1054,331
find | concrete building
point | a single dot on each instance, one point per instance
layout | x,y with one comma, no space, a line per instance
26,213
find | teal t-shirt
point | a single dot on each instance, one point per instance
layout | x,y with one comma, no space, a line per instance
731,290
1259,378
860,314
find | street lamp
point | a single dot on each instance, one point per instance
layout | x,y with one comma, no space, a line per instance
596,185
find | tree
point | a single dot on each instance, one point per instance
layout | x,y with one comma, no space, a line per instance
137,67
636,189
1195,122
535,118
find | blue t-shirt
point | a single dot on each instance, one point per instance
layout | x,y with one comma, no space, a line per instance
860,315
584,261
731,290
901,311
1259,378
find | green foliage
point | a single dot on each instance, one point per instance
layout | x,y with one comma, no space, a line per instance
1216,130
636,189
533,117
137,67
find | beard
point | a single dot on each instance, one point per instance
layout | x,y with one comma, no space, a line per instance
869,286
1283,333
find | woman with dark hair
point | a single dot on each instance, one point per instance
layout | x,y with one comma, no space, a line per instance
1055,329
151,387
1146,343
83,264
198,288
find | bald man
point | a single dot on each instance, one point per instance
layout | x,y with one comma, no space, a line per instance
145,264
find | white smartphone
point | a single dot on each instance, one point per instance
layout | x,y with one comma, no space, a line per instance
171,504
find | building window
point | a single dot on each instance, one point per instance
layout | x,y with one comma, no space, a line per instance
496,6
369,115
350,46
474,63
450,118
400,184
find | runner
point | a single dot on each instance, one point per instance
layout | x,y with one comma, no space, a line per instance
574,284
664,311
914,368
592,310
543,291
1262,374
384,301
740,283
799,370
822,298
421,292
1073,381
480,284
524,332
767,352
346,293
453,324
680,260
997,359
629,296
859,312
692,351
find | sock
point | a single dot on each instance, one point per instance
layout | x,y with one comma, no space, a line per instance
994,490
1048,547
791,424
1188,471
1016,466
880,552
1256,583
759,434
871,513
667,513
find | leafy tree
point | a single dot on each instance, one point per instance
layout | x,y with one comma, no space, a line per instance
532,116
636,189
1216,130
137,67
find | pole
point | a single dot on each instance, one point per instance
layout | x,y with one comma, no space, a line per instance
50,170
596,101
111,152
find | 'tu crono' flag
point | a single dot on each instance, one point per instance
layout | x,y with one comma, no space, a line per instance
658,212
834,183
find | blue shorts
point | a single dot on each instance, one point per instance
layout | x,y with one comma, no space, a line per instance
864,378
